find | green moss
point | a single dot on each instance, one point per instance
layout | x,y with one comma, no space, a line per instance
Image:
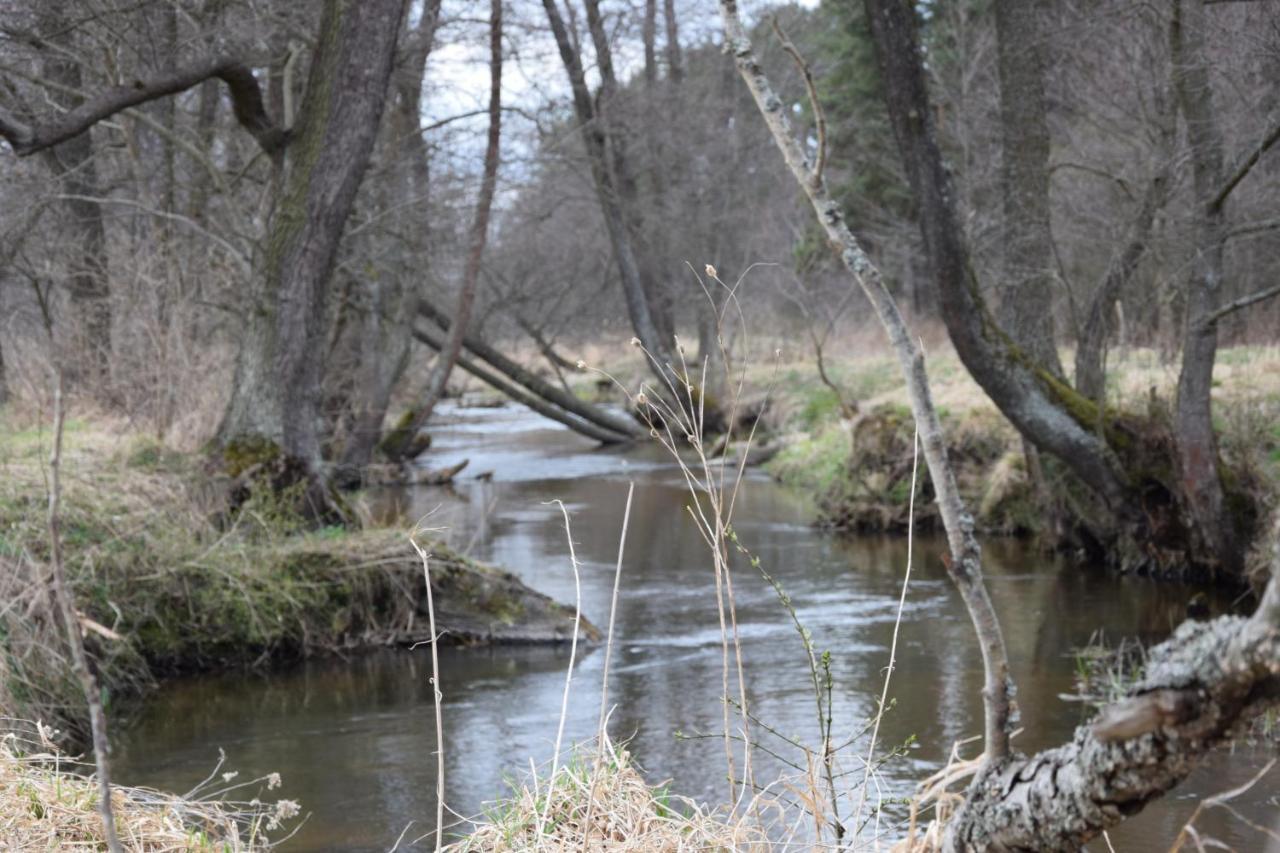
241,454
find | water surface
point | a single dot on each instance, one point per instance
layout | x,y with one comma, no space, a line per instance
354,738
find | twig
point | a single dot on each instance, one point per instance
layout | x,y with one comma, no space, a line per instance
819,116
568,675
604,678
897,622
61,593
436,695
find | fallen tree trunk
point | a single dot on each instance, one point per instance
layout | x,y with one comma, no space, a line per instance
606,420
484,373
1199,687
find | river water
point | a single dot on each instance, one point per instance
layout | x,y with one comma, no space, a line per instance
354,739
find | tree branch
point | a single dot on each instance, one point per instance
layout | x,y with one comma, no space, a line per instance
246,99
1244,166
1242,302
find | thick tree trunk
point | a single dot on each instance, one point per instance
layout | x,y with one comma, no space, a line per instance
386,327
397,443
1027,288
276,396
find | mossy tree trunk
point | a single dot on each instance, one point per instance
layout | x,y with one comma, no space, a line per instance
276,395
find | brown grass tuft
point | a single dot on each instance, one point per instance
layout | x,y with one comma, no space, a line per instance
49,802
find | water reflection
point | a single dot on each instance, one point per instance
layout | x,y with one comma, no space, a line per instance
355,738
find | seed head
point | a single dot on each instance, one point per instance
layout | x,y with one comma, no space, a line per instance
711,271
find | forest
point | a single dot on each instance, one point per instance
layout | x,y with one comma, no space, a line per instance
639,425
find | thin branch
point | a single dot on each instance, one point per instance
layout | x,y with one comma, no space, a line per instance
1245,165
819,116
64,597
1242,302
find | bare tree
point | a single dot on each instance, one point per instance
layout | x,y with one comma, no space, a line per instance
613,184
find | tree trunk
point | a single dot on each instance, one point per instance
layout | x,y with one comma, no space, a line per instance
1027,288
387,324
1126,460
675,66
1037,403
74,163
610,192
1197,440
650,35
276,396
396,444
435,338
1091,347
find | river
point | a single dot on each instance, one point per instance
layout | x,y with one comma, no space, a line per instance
354,738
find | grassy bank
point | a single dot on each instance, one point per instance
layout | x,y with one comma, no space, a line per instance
165,586
861,468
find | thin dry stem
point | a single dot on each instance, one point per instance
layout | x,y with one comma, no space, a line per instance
436,695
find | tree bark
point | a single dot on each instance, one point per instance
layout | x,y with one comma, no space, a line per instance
1027,287
387,324
1199,686
395,444
276,395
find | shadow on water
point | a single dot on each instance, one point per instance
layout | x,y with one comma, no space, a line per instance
354,739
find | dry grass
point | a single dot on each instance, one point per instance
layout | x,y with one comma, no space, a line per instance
605,804
49,802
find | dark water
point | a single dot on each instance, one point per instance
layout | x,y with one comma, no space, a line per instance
354,739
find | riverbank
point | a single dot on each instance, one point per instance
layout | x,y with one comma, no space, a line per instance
859,467
165,587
